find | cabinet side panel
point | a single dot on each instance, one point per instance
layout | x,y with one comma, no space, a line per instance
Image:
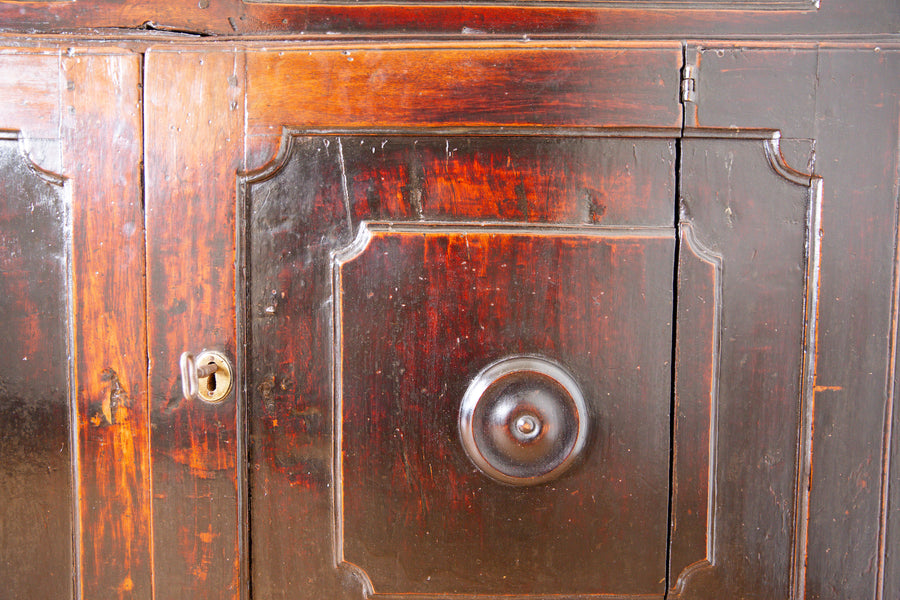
851,141
35,453
102,152
858,156
194,149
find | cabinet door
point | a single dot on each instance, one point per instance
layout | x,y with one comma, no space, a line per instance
748,264
520,209
74,462
440,250
447,291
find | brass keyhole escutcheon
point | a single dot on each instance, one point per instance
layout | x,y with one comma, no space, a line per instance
216,381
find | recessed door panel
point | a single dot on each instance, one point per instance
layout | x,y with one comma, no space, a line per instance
420,312
389,276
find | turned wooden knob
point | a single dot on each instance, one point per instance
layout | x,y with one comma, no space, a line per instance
523,420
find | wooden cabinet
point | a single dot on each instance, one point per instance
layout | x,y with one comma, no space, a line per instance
513,309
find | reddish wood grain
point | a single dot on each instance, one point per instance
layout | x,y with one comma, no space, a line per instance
575,180
657,19
191,177
102,145
421,312
194,150
451,85
297,217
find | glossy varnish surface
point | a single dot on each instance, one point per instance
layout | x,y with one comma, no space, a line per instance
409,497
78,115
619,19
102,137
420,313
192,132
216,108
35,440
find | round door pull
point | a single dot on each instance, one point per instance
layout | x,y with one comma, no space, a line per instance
523,420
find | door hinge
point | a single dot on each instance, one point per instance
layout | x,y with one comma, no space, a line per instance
689,83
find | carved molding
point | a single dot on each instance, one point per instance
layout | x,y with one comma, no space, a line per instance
13,135
338,240
687,577
365,233
783,5
712,228
700,408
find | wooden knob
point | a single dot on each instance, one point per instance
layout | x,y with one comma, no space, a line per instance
523,420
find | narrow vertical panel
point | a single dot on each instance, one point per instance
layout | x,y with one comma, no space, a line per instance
35,452
760,217
102,152
858,156
694,435
194,129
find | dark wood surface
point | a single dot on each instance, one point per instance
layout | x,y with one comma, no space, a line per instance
620,19
35,442
694,409
167,498
846,142
421,312
760,220
453,532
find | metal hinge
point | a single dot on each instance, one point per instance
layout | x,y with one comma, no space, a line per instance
689,83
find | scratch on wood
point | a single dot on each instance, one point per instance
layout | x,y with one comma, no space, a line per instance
414,189
344,189
828,388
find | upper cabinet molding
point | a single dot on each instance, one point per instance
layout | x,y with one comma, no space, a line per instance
200,20
632,4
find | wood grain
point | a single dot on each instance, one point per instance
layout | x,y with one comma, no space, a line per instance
658,19
849,499
194,150
102,145
697,335
307,204
855,151
421,312
30,87
364,75
756,217
36,491
452,86
571,180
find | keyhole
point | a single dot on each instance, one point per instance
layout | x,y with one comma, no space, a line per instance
211,382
